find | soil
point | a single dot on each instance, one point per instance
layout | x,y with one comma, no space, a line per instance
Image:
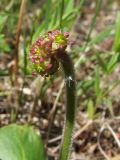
92,139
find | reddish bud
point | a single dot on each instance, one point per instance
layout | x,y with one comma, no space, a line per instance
34,73
33,59
41,60
49,66
66,34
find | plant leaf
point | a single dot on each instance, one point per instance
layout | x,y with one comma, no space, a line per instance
3,19
112,62
91,109
97,84
116,46
20,143
3,45
101,63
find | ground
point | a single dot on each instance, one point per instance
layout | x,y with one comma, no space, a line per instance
95,137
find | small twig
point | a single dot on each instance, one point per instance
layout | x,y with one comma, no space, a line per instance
83,129
52,151
16,61
106,125
113,134
55,139
98,142
36,88
18,32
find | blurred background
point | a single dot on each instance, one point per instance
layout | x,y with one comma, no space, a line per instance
94,27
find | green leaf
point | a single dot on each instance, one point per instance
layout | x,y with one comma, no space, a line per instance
102,36
91,109
112,62
20,143
98,91
48,13
51,16
98,38
3,19
108,103
102,63
3,45
97,82
116,46
69,7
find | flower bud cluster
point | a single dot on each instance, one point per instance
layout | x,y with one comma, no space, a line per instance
43,53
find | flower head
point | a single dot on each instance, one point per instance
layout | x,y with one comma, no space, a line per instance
43,53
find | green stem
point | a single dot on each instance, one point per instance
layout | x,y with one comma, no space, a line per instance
70,106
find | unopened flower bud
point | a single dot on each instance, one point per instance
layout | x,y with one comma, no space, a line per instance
43,53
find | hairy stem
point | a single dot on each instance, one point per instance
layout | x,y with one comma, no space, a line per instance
70,105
